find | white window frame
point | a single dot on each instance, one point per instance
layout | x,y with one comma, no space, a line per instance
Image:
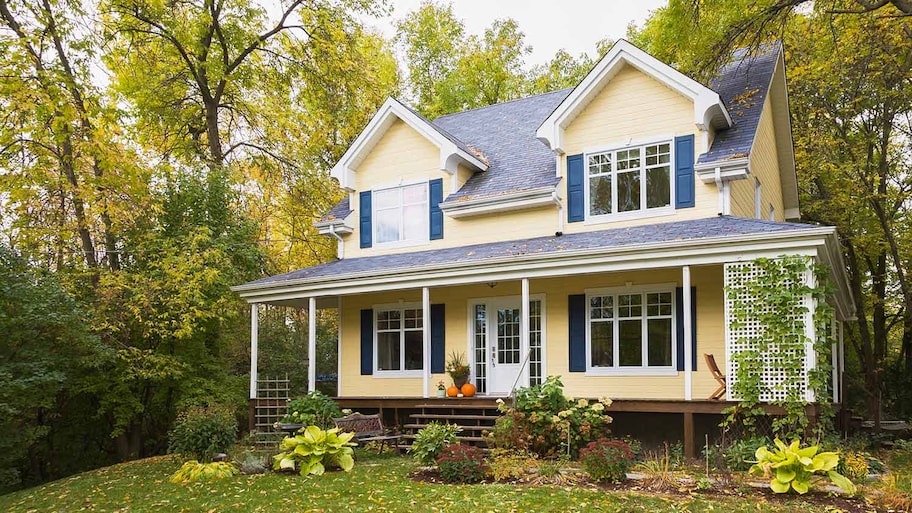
617,370
636,214
402,373
401,243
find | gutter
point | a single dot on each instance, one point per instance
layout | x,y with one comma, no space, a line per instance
529,198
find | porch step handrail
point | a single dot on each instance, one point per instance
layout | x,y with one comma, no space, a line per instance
519,375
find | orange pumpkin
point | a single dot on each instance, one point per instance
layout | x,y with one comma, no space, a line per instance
468,390
452,391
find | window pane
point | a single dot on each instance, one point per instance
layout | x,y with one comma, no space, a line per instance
386,198
628,191
601,337
658,304
658,187
630,305
414,344
630,343
600,164
387,222
388,351
600,195
414,193
659,350
414,222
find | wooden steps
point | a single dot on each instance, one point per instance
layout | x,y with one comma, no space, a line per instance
473,419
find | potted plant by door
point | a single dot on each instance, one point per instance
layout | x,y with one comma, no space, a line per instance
441,389
458,369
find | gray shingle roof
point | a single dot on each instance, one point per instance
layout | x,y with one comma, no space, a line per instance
743,85
505,134
614,238
339,211
442,131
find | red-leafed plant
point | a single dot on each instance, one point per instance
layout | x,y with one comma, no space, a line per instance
461,464
606,460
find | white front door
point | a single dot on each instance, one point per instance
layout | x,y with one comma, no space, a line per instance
505,357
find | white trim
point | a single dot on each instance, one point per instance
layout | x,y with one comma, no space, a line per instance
533,198
254,347
524,349
450,154
708,107
401,242
810,333
758,198
341,357
642,370
688,334
644,212
426,343
655,255
735,169
311,344
402,373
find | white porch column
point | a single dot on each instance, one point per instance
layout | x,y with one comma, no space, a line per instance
688,334
254,335
312,344
524,331
426,323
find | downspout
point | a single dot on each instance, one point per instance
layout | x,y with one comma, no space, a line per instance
560,212
720,187
340,248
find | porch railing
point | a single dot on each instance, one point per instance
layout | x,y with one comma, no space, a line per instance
519,375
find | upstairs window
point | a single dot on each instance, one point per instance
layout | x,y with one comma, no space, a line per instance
401,214
633,179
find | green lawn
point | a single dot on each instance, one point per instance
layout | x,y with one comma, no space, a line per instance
379,485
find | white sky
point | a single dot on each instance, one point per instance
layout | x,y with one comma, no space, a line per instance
549,25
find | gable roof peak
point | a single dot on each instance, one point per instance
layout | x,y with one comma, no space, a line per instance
708,107
452,150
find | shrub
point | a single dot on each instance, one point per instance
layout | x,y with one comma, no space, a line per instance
740,454
200,432
193,470
510,465
791,468
250,462
853,464
431,440
461,464
606,460
313,409
546,422
314,450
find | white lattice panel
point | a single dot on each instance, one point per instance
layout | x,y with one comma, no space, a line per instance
746,335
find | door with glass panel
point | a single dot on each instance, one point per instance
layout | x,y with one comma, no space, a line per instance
498,355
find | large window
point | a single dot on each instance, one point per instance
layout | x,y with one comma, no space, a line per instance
631,330
400,339
633,179
401,213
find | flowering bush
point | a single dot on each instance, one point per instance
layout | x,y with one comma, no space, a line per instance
606,460
548,423
313,409
461,464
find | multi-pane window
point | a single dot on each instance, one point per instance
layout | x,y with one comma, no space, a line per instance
629,180
481,348
631,330
535,341
400,339
401,213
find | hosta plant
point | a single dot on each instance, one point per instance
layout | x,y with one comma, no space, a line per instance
193,470
790,467
314,450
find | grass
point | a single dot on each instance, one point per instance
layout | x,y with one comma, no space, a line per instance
376,484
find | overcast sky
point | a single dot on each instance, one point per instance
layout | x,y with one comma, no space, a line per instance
549,25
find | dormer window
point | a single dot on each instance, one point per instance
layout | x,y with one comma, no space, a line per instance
629,180
401,214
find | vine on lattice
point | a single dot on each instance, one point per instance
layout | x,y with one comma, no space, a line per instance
769,302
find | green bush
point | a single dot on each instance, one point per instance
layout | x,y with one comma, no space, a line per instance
461,464
510,465
193,470
314,450
431,440
790,467
607,460
740,454
313,409
548,423
199,432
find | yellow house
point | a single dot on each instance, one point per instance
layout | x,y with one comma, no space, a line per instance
587,233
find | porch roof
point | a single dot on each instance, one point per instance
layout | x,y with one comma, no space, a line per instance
702,241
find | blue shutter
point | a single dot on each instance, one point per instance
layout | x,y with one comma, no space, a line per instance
438,338
436,215
679,320
364,208
367,342
684,171
576,319
576,201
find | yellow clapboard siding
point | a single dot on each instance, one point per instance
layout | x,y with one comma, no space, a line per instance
764,162
710,335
